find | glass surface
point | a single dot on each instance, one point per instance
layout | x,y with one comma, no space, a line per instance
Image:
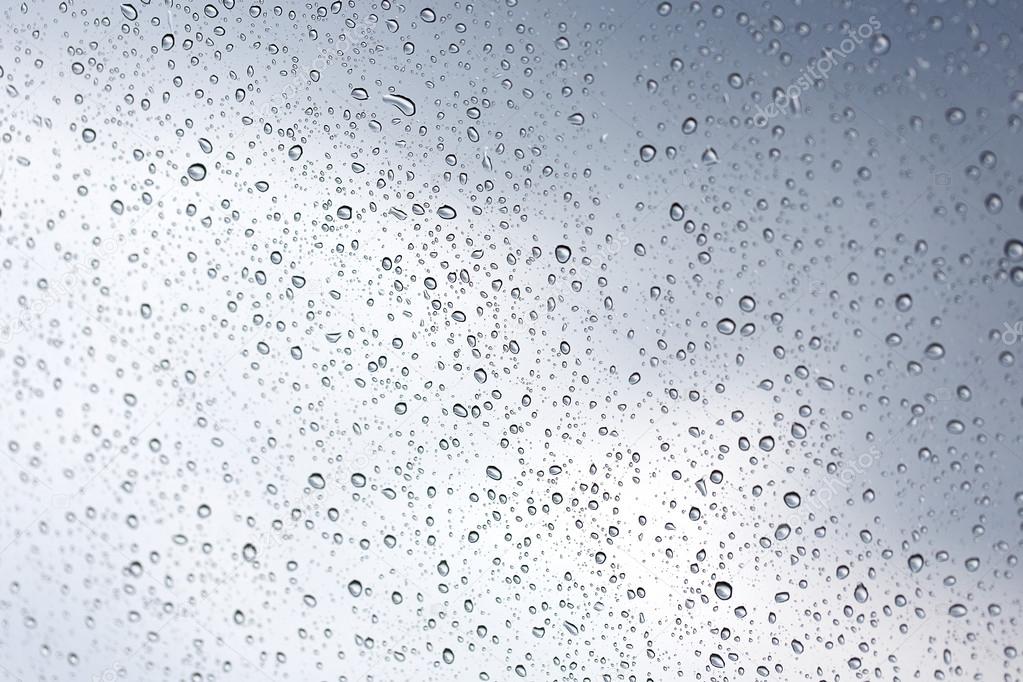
511,339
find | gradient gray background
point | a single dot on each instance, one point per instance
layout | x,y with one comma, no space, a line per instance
118,423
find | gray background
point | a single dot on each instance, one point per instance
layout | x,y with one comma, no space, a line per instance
170,343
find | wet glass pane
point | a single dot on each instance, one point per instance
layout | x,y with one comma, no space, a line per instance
511,339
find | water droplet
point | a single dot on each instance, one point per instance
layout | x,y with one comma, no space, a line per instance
880,44
402,103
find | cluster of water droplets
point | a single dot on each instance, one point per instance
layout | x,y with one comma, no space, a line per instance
383,341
